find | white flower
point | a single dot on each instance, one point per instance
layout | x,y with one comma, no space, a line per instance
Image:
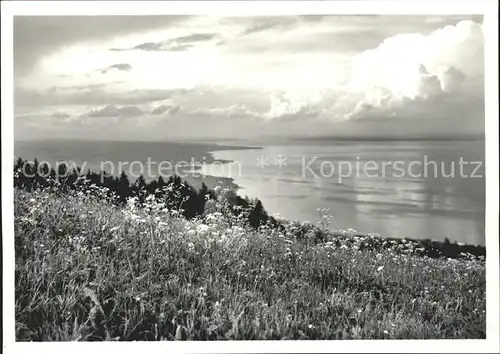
380,268
202,228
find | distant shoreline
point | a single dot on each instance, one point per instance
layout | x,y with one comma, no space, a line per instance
389,139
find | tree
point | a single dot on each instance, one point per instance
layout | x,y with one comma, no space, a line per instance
201,198
19,164
258,215
123,187
139,188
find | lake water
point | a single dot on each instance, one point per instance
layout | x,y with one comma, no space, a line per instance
294,179
402,198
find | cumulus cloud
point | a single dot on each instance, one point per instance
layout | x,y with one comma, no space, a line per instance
428,85
422,74
400,62
290,106
451,79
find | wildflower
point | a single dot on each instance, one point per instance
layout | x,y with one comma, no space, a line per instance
202,228
386,332
380,268
310,326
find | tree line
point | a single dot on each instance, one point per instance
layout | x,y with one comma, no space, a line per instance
174,193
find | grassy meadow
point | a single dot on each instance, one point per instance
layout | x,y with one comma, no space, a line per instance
87,269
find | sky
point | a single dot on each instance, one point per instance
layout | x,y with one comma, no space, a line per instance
184,77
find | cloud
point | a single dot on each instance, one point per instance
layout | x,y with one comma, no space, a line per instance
37,36
119,67
428,85
157,47
91,96
171,110
414,76
397,63
261,24
332,33
411,69
233,111
451,79
60,115
80,87
195,37
111,111
182,43
290,107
